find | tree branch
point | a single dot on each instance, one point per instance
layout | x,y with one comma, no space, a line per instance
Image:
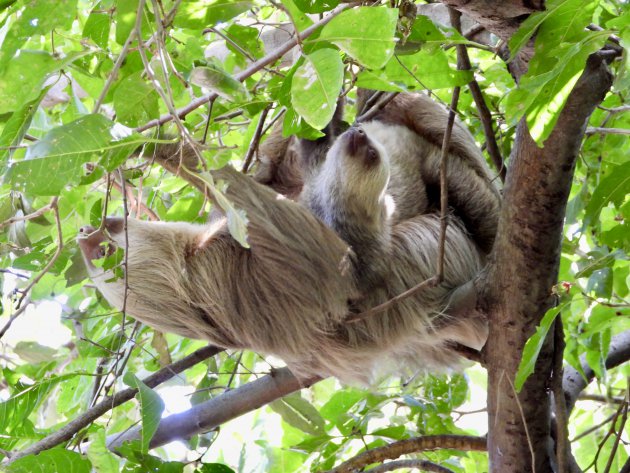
516,290
573,383
71,428
214,412
422,465
412,445
463,63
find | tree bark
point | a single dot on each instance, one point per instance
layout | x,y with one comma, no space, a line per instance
516,289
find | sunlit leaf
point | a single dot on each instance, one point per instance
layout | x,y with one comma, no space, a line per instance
316,86
151,408
365,33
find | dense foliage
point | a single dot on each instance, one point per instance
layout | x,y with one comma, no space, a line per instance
79,94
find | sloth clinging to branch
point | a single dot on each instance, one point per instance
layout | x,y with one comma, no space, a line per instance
288,294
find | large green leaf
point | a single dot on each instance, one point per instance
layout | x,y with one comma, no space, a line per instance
562,19
103,461
299,413
422,70
316,6
316,86
543,91
534,345
16,409
205,13
55,161
151,408
615,187
217,80
98,25
135,101
51,461
365,33
15,129
36,18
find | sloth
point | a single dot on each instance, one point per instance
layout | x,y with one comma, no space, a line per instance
287,294
348,193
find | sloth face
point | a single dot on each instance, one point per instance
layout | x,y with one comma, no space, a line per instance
361,163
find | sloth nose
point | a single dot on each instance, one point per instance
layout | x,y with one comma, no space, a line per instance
86,229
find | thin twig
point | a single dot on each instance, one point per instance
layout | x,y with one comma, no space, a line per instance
593,428
620,431
600,398
253,145
376,107
444,184
114,72
31,216
251,70
562,429
71,428
412,445
423,465
22,303
621,108
431,282
522,413
484,112
591,130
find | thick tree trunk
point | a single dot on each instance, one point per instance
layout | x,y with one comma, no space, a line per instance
517,287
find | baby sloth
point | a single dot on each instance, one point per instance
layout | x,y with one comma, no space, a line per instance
348,193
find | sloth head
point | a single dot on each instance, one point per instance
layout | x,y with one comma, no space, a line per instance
354,175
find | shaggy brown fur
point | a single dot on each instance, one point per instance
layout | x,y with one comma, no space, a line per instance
288,294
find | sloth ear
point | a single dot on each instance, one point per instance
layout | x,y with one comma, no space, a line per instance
114,225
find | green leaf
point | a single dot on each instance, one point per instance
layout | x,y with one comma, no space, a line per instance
316,6
21,82
217,80
135,101
236,218
98,25
36,18
17,126
544,89
16,409
561,18
214,468
365,33
126,13
534,345
299,413
423,70
204,13
316,86
615,187
151,408
33,352
340,403
223,10
51,461
55,160
298,18
103,461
